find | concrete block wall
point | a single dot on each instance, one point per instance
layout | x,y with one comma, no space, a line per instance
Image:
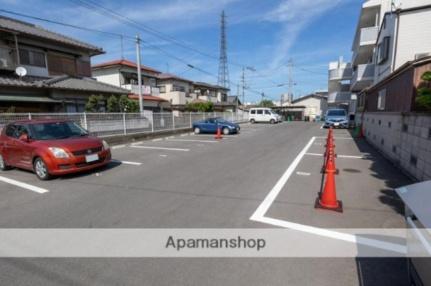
403,138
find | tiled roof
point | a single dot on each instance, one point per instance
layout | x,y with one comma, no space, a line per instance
209,85
29,29
148,97
63,82
126,63
172,76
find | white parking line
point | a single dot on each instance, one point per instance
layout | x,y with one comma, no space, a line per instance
137,143
336,138
269,199
118,146
23,185
128,162
192,140
338,156
259,214
157,139
161,148
303,174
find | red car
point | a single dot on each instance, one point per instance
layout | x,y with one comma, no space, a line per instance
51,148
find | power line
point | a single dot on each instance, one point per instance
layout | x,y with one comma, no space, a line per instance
89,4
121,36
67,25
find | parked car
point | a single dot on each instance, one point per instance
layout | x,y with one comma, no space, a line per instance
263,114
210,125
51,148
336,118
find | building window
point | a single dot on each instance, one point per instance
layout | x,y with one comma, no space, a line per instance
32,58
162,89
178,88
381,100
383,50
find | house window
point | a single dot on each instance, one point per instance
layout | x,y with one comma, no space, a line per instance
32,58
162,89
383,50
381,100
178,88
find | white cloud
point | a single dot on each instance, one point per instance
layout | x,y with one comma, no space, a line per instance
295,16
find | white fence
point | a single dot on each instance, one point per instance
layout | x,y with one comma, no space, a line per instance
111,124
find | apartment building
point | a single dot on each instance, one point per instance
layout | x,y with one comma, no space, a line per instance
55,70
387,36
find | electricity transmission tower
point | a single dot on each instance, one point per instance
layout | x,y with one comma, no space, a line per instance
223,71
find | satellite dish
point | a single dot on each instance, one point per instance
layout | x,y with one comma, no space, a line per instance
21,71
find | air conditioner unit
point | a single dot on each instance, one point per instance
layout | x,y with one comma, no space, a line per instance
422,55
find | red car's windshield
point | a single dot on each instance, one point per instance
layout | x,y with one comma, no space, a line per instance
56,130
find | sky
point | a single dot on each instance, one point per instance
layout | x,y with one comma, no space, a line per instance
261,34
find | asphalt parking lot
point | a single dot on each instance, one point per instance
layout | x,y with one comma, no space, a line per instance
194,181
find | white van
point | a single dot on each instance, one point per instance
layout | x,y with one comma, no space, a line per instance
263,114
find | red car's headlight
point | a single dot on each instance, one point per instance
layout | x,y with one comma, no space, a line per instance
58,153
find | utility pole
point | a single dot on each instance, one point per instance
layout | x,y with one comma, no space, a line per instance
243,85
138,67
237,97
290,81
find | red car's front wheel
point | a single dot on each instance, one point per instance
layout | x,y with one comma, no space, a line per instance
41,169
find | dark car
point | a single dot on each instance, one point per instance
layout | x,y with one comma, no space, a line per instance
210,125
51,148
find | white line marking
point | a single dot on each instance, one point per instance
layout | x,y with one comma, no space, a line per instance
163,155
314,154
269,199
156,140
339,138
118,147
23,185
338,156
136,143
183,135
303,174
192,140
350,157
321,127
128,162
161,148
335,235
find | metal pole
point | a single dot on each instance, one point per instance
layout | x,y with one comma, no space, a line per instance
138,67
173,121
243,86
124,123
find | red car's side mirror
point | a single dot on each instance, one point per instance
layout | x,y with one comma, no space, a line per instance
24,137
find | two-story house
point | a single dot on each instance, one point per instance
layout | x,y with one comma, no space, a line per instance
56,70
123,73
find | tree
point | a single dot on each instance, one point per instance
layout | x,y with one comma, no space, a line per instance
127,105
200,106
113,104
423,98
92,104
266,103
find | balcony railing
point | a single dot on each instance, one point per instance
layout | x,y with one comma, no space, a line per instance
146,89
363,76
341,96
368,36
340,73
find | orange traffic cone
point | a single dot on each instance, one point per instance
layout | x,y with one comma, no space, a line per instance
328,199
218,135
